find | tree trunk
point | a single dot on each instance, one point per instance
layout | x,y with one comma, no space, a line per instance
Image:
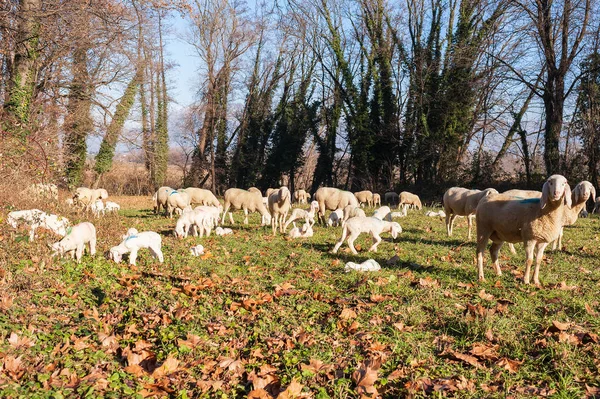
553,105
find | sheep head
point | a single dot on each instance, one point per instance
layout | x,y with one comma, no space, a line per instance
583,191
395,229
555,189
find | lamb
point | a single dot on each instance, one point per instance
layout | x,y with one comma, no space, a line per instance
301,196
408,199
460,201
308,215
87,196
333,198
383,213
371,225
305,232
201,196
74,242
97,208
220,231
581,193
279,206
237,198
35,218
112,207
201,220
134,242
160,198
391,198
177,200
352,211
535,222
364,197
215,211
432,214
197,250
376,199
335,218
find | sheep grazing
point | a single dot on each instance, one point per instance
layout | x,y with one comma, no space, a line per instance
408,199
255,190
460,201
201,196
352,211
376,199
308,215
371,225
335,218
535,222
85,197
215,211
112,207
279,206
160,197
34,218
97,208
301,197
202,222
364,197
74,242
177,200
220,231
333,198
134,242
305,232
383,213
391,198
236,198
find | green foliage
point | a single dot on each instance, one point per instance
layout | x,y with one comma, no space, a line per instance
161,145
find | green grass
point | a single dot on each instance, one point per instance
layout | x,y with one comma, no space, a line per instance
259,309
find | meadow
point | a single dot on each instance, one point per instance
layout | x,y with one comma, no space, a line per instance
261,317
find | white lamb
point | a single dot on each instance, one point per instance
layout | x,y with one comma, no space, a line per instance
220,231
384,213
308,215
215,211
112,207
395,215
335,218
371,225
74,242
202,221
133,243
305,232
34,218
97,208
351,211
436,214
197,250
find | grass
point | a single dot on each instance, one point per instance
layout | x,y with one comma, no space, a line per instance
262,316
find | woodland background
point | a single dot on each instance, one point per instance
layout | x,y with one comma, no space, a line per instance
357,94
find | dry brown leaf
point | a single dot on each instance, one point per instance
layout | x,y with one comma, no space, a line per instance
168,367
472,360
294,390
560,326
347,314
488,352
259,394
136,370
569,338
511,365
365,377
377,298
589,310
16,342
485,296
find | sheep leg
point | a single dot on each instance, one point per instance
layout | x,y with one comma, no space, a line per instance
376,241
353,236
539,249
494,251
133,256
511,246
448,220
157,253
245,215
482,241
341,241
470,226
529,247
558,242
93,246
274,224
32,233
79,252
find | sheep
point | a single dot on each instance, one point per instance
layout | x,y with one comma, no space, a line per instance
75,240
308,215
335,218
201,196
435,214
215,211
535,222
596,205
220,231
177,200
201,220
408,199
87,196
383,213
583,214
43,190
305,232
237,198
270,191
301,196
112,207
581,193
364,197
197,250
333,198
371,225
34,218
132,244
391,198
279,206
255,190
160,198
351,211
460,201
97,208
376,199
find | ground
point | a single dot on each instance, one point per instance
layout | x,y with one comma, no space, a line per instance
260,316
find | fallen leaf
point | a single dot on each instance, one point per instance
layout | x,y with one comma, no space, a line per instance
560,326
485,296
589,310
168,367
348,314
483,351
472,360
511,365
365,377
294,390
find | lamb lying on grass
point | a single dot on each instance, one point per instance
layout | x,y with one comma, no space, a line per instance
112,207
433,214
132,243
74,242
34,218
220,231
371,225
335,218
97,208
305,232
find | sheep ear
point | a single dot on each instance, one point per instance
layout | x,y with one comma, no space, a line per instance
593,190
545,194
576,195
567,195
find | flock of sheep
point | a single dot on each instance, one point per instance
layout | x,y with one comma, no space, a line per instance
535,218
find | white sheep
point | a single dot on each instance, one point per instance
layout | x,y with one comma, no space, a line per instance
308,215
133,243
97,208
364,197
391,198
34,218
439,213
407,200
301,196
197,250
384,213
370,225
220,231
305,232
86,196
535,222
333,198
376,199
249,201
581,193
112,207
201,196
352,211
460,201
215,211
202,222
279,206
43,190
335,218
160,198
74,242
177,200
